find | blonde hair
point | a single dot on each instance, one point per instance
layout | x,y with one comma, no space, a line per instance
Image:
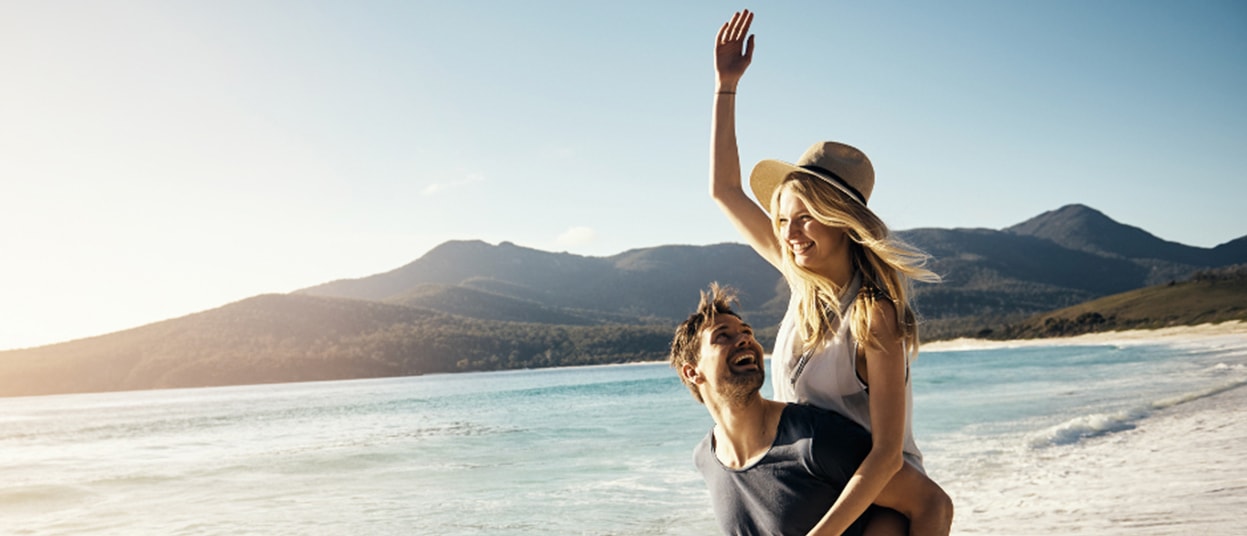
887,266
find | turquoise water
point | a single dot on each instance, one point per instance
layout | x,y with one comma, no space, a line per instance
592,450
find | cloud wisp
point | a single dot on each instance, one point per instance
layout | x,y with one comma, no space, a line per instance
438,188
576,236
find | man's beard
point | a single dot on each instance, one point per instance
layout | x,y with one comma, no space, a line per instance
739,386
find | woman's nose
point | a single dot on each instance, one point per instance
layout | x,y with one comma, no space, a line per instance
789,231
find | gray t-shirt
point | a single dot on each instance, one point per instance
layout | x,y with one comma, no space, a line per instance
794,485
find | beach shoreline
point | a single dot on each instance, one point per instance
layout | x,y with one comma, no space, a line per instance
1233,330
1180,470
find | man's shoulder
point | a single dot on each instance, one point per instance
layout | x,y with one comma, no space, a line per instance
805,414
703,453
826,429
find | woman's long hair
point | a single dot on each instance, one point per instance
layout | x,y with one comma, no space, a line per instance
887,266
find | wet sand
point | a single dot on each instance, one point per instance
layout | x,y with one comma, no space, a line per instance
1182,470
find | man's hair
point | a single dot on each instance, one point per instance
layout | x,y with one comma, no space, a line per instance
686,346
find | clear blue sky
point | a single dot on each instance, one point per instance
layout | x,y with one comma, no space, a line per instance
159,158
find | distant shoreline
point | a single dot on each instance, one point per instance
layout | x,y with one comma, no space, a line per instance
1236,329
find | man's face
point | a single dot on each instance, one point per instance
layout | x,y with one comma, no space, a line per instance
730,359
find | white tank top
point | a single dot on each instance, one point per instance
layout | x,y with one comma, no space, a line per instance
828,379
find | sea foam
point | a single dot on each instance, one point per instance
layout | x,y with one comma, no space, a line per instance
1086,426
1099,424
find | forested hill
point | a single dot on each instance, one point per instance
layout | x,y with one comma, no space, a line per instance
469,305
1057,259
283,338
1079,227
1210,296
649,283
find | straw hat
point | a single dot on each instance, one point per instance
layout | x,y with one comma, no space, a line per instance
842,166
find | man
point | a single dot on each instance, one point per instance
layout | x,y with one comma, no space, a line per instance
775,468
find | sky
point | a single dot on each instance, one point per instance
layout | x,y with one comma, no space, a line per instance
160,158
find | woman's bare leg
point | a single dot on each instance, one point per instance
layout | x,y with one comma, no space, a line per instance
917,497
885,522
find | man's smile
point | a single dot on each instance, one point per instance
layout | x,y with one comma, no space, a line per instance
745,360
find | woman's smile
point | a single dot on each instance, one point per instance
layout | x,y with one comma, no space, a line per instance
814,245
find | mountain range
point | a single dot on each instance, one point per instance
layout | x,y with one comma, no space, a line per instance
469,305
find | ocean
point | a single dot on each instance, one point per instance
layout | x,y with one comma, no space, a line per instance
586,450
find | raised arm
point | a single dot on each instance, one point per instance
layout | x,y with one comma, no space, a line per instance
733,50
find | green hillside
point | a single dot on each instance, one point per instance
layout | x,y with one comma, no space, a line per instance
482,305
1211,296
288,338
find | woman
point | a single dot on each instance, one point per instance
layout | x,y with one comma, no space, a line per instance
849,334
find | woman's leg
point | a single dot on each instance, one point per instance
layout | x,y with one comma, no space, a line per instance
885,522
910,492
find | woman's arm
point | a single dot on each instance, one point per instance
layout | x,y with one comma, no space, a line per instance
732,53
885,367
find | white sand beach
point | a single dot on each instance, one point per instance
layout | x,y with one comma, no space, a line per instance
1182,470
1234,332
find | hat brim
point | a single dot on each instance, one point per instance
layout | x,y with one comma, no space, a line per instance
769,174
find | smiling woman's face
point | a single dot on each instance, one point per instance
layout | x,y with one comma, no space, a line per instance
814,246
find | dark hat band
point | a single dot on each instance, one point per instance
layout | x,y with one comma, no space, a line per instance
839,182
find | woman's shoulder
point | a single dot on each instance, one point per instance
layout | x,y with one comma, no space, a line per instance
883,320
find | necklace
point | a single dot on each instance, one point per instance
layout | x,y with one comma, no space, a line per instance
796,371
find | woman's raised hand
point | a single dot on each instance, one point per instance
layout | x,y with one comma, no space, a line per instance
733,50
